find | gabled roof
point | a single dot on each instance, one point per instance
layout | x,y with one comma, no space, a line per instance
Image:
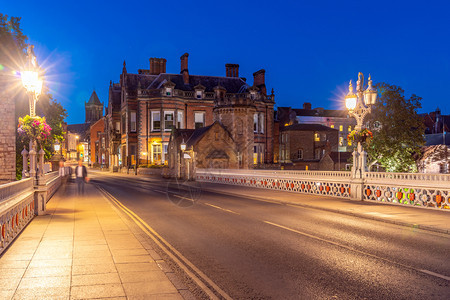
94,99
308,127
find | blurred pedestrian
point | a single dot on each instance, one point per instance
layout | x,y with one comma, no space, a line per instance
81,177
63,174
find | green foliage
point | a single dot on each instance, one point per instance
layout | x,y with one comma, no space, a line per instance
398,130
12,42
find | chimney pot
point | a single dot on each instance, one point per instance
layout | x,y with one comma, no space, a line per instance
307,105
184,67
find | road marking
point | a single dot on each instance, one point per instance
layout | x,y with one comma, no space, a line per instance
190,269
359,251
224,209
181,197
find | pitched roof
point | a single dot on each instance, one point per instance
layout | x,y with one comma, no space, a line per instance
340,156
308,127
94,99
318,112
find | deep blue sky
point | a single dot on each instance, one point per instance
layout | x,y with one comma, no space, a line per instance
309,49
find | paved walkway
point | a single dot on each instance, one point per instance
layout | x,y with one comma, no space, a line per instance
415,217
82,249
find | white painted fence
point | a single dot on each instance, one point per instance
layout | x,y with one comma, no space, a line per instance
413,189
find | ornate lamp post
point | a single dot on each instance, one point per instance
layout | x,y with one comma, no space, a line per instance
359,106
33,84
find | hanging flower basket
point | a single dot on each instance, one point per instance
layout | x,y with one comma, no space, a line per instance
35,128
363,136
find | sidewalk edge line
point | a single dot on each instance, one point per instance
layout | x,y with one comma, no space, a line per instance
181,261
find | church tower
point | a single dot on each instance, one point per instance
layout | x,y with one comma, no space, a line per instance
93,108
236,115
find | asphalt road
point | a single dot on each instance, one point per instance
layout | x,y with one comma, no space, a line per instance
261,250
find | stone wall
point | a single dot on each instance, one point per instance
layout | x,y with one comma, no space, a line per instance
7,136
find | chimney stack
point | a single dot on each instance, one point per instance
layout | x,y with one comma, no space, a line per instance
232,70
157,65
307,105
184,68
259,80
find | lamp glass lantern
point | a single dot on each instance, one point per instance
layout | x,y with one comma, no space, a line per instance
183,146
56,146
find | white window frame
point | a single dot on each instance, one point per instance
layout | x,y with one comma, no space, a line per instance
180,119
261,122
198,113
255,123
169,112
198,93
154,113
133,121
168,92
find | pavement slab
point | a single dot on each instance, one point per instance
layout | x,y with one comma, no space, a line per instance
81,249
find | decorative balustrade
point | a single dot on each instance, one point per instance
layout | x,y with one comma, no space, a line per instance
414,189
16,209
327,183
18,204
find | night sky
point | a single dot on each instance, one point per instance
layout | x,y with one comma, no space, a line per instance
309,49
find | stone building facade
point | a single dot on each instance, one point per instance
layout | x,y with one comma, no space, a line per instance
144,109
7,135
99,152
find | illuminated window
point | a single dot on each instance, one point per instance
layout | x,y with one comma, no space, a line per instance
341,128
255,155
156,153
341,141
349,142
332,126
349,128
317,137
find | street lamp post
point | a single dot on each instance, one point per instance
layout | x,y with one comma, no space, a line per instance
188,155
33,84
359,106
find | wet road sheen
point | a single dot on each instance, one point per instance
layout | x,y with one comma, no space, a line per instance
261,250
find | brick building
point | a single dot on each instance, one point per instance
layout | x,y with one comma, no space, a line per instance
98,139
7,133
305,145
144,108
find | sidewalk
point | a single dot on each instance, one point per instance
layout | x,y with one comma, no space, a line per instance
81,249
414,217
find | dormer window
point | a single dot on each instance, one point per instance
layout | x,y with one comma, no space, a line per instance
252,95
199,94
169,92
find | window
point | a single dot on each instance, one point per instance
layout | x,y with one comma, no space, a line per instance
198,94
98,134
255,123
349,128
169,92
166,152
316,137
117,126
156,121
341,128
349,142
255,155
317,153
199,119
124,124
133,121
156,153
341,141
261,123
180,123
168,120
261,153
332,126
300,154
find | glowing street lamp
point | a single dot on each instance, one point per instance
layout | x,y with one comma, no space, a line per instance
360,104
31,80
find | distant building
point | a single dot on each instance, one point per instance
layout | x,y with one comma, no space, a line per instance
333,118
81,132
302,146
99,156
437,128
144,109
435,159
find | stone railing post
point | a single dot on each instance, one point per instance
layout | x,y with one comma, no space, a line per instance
358,170
32,154
41,165
24,162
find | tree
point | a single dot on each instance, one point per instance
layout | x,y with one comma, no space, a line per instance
398,130
13,44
